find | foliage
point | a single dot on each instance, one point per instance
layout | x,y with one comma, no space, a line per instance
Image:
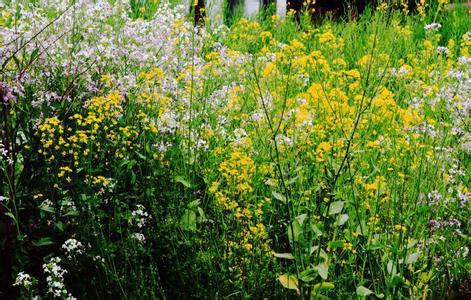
143,157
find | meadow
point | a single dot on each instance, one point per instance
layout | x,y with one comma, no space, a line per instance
144,157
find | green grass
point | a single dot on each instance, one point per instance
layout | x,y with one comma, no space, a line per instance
268,159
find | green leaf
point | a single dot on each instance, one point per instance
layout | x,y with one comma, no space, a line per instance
322,253
289,282
48,209
336,207
308,275
188,220
323,286
411,244
194,204
363,291
412,258
34,54
296,230
374,246
72,213
316,230
201,212
278,196
43,242
391,267
60,226
323,270
181,180
9,214
284,255
301,218
335,244
342,219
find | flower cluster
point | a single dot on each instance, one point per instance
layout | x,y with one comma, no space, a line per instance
24,280
72,247
55,279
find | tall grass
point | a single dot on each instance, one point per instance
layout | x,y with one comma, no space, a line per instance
143,157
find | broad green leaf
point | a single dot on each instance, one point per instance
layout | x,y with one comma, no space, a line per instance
342,219
284,255
59,225
296,230
411,244
278,196
323,270
183,181
308,275
72,213
322,253
412,258
43,242
316,230
201,212
363,291
301,218
336,207
48,209
335,244
323,286
188,220
289,282
194,204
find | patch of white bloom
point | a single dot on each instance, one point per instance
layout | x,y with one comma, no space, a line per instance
433,27
55,279
23,279
139,237
139,216
72,246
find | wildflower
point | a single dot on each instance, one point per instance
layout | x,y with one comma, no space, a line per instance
442,50
248,246
55,278
139,237
72,246
139,216
433,27
23,279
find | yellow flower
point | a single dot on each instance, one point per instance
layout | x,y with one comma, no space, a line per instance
248,246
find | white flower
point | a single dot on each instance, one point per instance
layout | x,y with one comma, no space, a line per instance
55,278
23,279
139,237
442,50
72,246
464,60
433,27
139,216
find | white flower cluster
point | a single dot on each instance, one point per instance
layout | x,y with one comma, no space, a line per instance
23,279
3,151
55,279
139,237
442,50
139,216
433,27
72,246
